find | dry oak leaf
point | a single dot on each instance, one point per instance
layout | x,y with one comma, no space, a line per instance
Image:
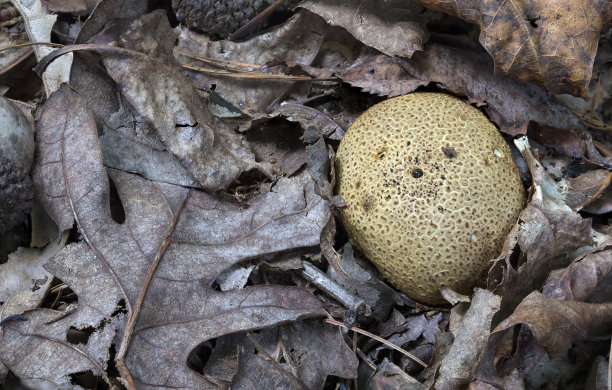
543,42
157,266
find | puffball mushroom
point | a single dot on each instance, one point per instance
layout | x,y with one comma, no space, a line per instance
431,191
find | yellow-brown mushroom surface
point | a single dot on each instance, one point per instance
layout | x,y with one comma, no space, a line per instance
431,191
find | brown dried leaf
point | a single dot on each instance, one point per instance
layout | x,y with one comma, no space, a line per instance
308,116
547,230
551,44
545,325
510,104
160,264
310,349
580,279
50,171
601,205
375,293
574,142
584,189
390,376
255,372
394,27
457,366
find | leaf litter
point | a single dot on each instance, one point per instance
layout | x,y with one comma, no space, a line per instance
192,232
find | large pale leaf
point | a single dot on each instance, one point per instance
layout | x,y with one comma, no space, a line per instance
159,265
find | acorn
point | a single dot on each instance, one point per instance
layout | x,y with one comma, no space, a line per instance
16,156
431,190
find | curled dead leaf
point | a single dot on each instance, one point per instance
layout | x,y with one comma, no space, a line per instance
552,44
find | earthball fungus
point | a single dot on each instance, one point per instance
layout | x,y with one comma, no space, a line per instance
431,191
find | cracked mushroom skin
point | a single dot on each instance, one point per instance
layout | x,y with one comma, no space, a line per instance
431,191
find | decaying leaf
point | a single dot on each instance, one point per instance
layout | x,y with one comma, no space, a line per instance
376,294
308,116
298,40
390,376
317,350
547,232
256,372
39,25
544,324
586,188
552,44
37,349
50,172
24,272
160,264
392,27
580,279
159,93
24,283
130,144
457,367
510,104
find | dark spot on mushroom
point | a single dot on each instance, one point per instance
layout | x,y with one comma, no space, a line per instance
417,173
449,152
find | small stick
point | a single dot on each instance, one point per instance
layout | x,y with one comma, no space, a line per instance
251,23
325,283
378,338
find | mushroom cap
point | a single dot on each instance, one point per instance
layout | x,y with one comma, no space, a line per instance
431,190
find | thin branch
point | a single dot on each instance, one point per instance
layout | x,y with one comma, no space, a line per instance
378,338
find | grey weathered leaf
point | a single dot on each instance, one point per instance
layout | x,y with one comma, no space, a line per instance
457,366
160,264
36,350
392,27
317,350
255,372
130,143
547,231
60,124
298,40
158,92
24,283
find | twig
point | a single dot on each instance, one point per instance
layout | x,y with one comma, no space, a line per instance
325,283
224,64
378,338
251,23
